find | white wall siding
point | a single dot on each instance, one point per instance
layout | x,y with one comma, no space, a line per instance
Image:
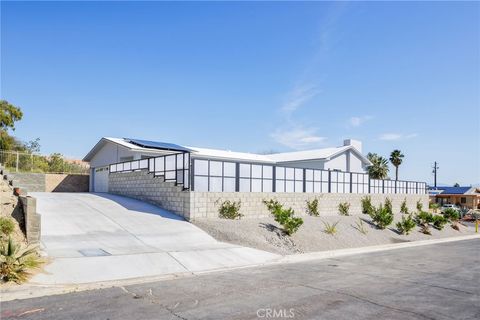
337,163
355,163
113,153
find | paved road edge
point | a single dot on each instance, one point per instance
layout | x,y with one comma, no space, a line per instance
34,291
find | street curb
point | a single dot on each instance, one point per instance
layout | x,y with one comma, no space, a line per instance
28,291
302,257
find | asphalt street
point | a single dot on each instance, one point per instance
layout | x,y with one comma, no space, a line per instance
429,282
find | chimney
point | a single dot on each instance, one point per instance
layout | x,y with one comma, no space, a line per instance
355,143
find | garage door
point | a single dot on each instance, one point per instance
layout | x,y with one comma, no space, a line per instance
100,180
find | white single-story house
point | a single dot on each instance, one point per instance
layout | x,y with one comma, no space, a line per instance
108,151
192,181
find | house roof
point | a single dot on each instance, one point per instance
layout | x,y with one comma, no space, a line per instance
161,147
124,143
226,154
316,154
452,190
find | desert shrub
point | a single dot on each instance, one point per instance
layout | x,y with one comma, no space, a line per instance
423,219
439,222
360,226
6,226
15,262
283,216
330,228
388,205
403,207
343,208
272,205
230,209
367,207
312,207
419,206
406,225
434,207
382,217
452,216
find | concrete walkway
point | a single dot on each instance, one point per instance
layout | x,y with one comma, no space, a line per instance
102,237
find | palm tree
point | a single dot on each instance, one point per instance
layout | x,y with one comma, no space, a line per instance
396,158
379,167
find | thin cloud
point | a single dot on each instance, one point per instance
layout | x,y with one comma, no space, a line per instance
396,136
299,96
358,121
298,138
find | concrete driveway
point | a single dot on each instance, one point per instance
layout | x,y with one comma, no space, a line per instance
103,237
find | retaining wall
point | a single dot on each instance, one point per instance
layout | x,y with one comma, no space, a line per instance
192,205
206,204
32,219
49,182
144,186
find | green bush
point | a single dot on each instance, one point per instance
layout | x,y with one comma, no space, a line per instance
312,207
367,207
343,208
434,207
403,207
16,262
423,219
382,217
439,222
6,226
406,225
452,216
272,205
283,216
388,205
419,206
230,209
330,228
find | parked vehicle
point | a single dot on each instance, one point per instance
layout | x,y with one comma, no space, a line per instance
449,206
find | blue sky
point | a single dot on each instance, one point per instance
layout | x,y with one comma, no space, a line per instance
251,77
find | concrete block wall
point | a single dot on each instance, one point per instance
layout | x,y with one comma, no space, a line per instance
195,205
33,182
62,182
206,204
48,182
32,219
144,186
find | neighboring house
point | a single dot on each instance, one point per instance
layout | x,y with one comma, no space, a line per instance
346,158
461,196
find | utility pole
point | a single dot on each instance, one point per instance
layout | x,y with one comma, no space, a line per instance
435,168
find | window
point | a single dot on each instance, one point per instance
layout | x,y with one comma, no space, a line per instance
463,200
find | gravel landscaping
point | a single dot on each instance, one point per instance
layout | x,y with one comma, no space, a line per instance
265,233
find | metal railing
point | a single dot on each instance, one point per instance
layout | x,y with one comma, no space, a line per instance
18,161
229,176
173,167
